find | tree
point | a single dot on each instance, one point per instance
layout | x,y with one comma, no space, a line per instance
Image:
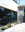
24,16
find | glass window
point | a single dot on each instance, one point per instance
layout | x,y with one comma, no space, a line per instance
2,8
7,16
14,16
4,16
24,9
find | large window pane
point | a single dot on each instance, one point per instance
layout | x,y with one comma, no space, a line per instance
4,16
7,16
14,16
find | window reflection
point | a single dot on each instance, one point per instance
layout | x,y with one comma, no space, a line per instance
7,16
2,8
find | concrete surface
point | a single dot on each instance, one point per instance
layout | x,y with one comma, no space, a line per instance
21,28
1,30
16,28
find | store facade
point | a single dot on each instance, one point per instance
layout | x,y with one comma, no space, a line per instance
7,16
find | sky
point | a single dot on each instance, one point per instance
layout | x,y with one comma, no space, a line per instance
22,2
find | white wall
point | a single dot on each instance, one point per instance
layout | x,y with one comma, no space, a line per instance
20,15
9,4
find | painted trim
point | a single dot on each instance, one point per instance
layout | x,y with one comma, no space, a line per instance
8,8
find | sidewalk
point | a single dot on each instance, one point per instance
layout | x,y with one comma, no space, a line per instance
17,28
21,28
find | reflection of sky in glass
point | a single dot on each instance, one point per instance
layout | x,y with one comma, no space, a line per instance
8,14
17,1
2,8
24,9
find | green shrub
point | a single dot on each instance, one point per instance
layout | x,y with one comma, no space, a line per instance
9,25
24,17
3,28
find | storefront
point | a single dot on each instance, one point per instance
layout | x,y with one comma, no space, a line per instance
7,16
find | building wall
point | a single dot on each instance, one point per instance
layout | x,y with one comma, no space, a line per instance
20,15
10,4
